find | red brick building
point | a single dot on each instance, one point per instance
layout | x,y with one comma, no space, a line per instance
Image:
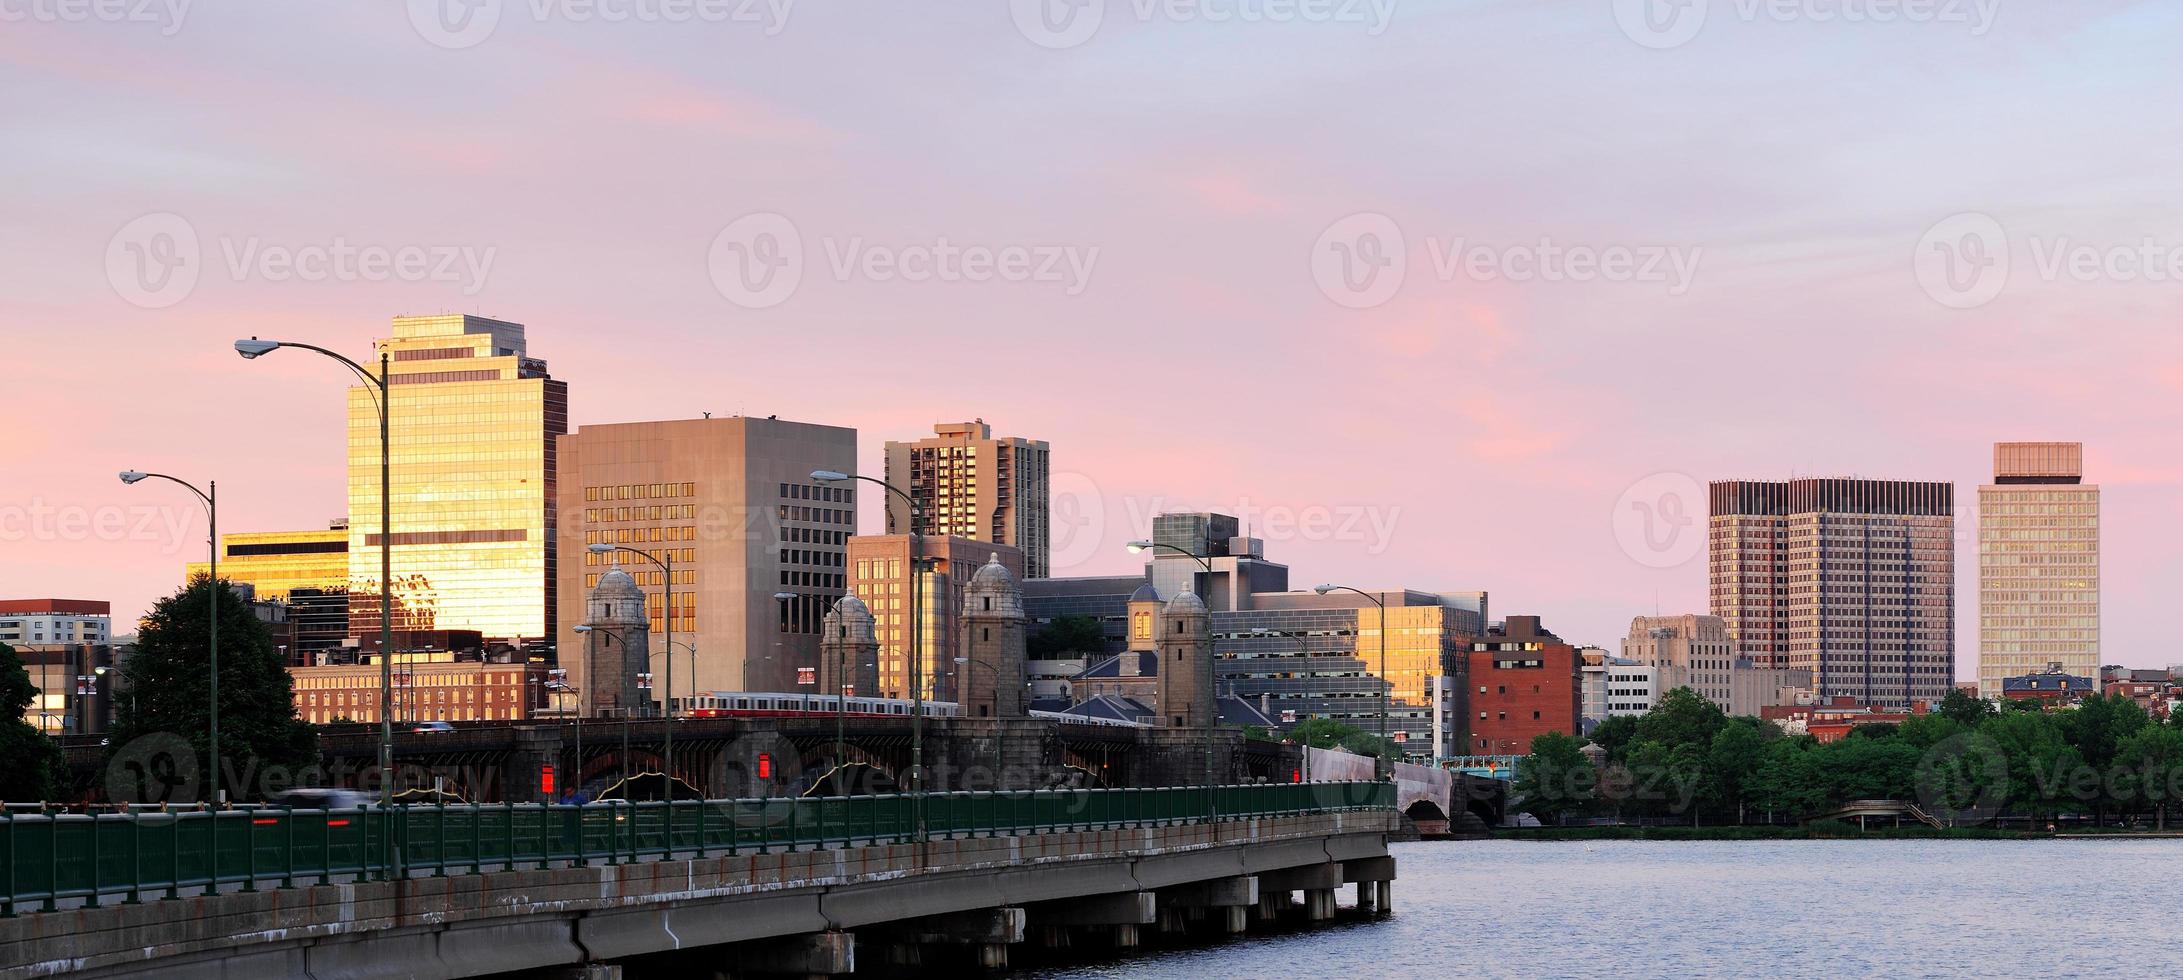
1832,719
1524,683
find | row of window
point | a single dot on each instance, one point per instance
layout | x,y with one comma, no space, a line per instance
640,491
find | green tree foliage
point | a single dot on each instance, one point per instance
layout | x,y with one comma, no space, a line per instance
1556,779
1067,636
1964,709
170,694
1614,735
1326,733
35,769
2150,767
1681,718
1739,751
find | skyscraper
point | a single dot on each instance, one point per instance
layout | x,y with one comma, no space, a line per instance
1851,580
970,485
472,434
2038,565
732,502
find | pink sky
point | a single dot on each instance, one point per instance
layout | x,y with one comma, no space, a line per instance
1493,420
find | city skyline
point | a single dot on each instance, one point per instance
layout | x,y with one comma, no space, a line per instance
1543,402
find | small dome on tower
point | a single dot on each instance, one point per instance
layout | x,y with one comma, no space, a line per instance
1186,601
616,584
1145,593
993,573
851,608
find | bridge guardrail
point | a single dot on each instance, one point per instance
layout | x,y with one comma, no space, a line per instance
49,858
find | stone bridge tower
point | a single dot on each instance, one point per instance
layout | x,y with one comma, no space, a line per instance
992,672
1186,662
618,648
848,649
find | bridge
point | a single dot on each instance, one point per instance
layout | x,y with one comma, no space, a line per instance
1894,811
1434,802
796,886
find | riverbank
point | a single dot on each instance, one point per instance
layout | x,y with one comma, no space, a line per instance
1832,831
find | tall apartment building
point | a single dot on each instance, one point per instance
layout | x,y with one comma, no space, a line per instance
732,501
306,570
880,574
473,420
1852,581
968,484
2038,564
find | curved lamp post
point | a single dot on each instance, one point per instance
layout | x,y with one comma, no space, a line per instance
1380,768
917,631
211,496
253,349
667,622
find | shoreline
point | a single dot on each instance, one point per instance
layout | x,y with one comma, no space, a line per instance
1551,834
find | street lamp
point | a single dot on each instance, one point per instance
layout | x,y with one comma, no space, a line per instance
377,385
1379,767
916,651
667,621
210,495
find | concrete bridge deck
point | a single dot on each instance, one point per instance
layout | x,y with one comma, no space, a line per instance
806,908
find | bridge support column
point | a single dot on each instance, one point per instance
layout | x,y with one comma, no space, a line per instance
815,954
987,932
583,971
1227,901
1117,918
1374,878
1319,904
1368,897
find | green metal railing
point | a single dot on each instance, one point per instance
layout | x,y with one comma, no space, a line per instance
50,858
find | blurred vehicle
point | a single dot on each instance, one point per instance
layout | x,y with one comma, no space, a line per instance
321,798
431,727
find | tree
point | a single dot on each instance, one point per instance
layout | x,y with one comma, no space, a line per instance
1788,782
2150,761
1733,762
35,768
2097,728
1326,733
1066,636
1963,709
1682,718
1556,779
1614,735
170,690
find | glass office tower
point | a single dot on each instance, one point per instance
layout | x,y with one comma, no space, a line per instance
473,428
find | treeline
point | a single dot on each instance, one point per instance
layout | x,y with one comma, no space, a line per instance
1966,764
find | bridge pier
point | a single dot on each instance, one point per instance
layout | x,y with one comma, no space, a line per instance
1375,881
1228,901
1116,918
815,954
986,932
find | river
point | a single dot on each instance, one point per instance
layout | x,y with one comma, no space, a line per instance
1731,909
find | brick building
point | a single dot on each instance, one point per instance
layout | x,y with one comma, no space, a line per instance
1524,683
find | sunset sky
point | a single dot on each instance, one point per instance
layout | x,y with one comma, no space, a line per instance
1437,291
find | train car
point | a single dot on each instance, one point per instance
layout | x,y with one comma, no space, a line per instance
769,704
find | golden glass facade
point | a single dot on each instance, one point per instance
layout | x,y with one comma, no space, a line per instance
879,574
472,433
2038,565
308,570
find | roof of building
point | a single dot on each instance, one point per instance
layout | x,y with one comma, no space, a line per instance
1186,601
1111,707
1145,593
1148,665
993,574
2046,683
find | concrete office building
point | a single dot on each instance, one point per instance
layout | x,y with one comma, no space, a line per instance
1239,566
2038,564
970,485
27,622
732,502
308,571
472,433
1694,651
879,573
1851,581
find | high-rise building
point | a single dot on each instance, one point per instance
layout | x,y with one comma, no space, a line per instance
2038,564
879,573
308,571
968,484
473,423
1239,569
1852,581
732,502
